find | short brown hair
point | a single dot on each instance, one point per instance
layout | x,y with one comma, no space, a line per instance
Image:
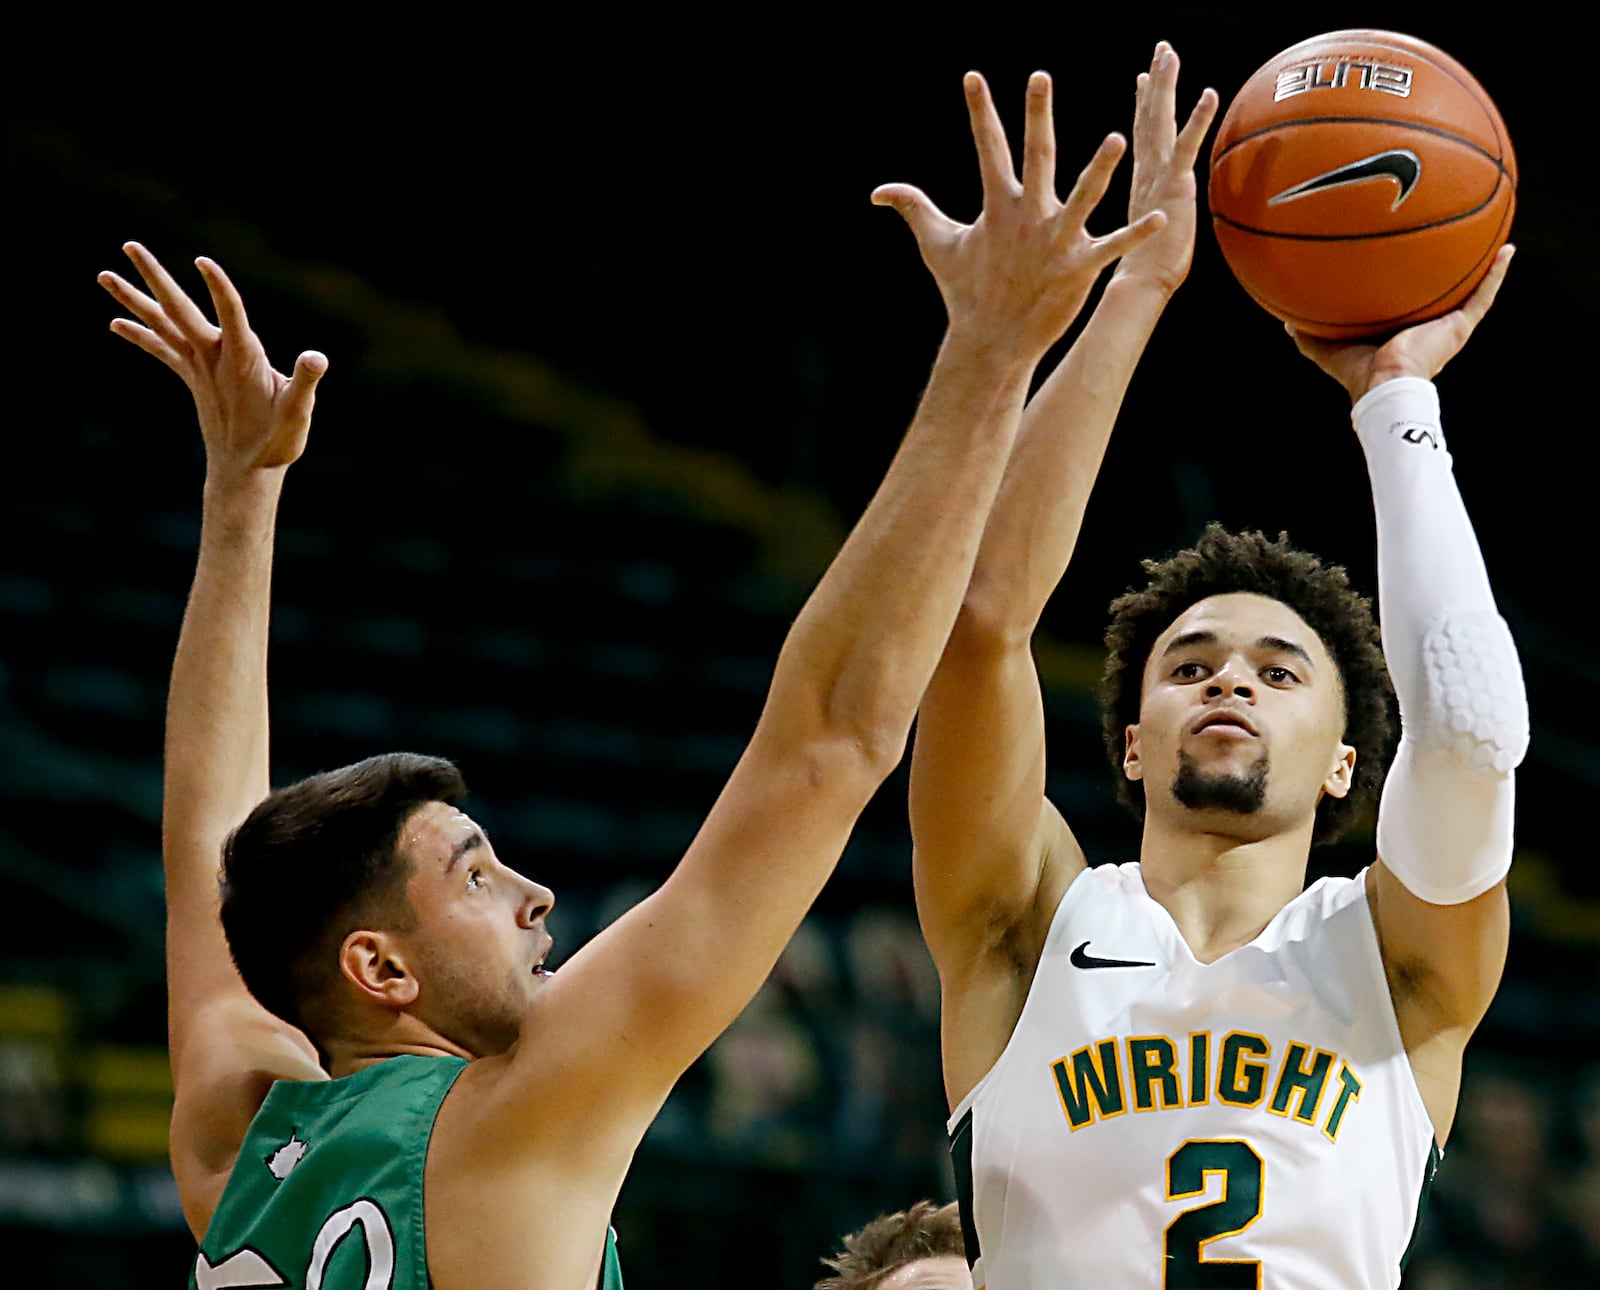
889,1242
311,863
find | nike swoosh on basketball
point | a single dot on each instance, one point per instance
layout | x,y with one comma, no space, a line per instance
1399,164
1082,959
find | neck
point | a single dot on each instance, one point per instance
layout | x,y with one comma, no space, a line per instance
1221,889
348,1053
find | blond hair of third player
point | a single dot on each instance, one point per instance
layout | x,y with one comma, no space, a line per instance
913,1249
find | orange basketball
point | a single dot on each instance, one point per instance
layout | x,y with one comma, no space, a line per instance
1361,181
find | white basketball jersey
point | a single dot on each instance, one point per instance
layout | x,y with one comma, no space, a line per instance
1160,1122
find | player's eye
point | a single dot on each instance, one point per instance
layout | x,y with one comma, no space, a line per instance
474,879
1276,675
1190,671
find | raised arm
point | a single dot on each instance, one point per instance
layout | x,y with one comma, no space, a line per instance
992,856
1445,822
224,1046
639,1003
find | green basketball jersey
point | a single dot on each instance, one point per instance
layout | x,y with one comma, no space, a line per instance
327,1191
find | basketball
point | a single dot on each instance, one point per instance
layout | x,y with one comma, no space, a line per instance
1361,181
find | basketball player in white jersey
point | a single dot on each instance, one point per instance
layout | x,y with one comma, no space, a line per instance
1186,1071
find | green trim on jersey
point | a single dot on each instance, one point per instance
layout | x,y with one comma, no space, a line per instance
327,1191
1435,1155
611,1268
961,1163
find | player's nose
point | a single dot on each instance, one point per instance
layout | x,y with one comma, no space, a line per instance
537,902
1233,680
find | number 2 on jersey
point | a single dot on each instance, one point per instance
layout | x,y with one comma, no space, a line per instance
1188,1169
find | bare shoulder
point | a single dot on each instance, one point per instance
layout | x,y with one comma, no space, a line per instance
541,1102
983,997
515,1181
234,1051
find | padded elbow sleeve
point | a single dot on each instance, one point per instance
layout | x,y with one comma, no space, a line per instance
1475,707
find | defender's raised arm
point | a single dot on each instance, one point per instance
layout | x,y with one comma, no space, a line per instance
848,680
225,1047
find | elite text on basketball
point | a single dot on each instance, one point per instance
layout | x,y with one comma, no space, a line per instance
1335,74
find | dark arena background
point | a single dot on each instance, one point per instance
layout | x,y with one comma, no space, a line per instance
619,350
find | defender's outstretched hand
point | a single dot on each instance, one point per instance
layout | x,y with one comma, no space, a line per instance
1023,269
1422,350
251,415
1163,172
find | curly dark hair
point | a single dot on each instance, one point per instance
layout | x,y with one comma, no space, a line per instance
1222,562
890,1241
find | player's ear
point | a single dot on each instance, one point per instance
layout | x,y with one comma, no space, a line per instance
1340,775
1132,766
374,964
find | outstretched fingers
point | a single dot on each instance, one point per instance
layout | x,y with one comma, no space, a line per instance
142,307
224,298
994,153
1155,133
1186,151
183,312
151,343
929,224
1093,181
1039,145
1114,246
1155,104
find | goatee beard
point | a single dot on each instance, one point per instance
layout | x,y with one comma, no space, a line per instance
1243,793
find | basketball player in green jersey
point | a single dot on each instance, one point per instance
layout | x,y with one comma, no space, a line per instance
378,1082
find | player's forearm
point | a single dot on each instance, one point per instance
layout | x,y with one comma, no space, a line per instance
843,696
1445,822
1062,441
860,654
1419,513
216,739
977,772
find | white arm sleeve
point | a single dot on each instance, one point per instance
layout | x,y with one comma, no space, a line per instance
1445,821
